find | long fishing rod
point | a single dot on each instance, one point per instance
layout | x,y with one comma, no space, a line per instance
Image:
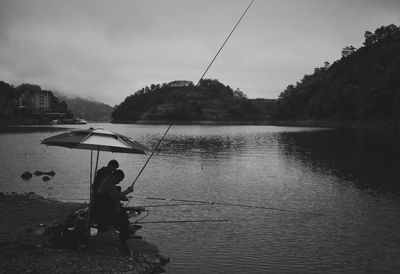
184,221
198,83
151,155
226,40
196,202
176,204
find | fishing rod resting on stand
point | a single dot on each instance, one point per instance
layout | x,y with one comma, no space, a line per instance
198,83
201,202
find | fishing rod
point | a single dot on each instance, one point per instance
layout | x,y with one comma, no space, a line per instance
198,83
176,204
195,202
151,155
226,40
184,221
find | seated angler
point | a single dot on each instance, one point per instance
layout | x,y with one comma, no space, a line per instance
109,206
102,173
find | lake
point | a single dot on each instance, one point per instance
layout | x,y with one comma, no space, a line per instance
323,200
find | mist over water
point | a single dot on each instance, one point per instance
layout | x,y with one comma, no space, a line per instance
350,178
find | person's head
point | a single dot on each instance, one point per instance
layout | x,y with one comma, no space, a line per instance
113,165
119,175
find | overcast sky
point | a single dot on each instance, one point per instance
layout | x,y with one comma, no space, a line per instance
109,49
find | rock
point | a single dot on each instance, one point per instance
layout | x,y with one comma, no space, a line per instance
46,178
39,173
10,256
153,260
141,260
41,231
163,260
158,269
26,175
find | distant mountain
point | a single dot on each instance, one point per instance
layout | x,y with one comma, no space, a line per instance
364,85
88,109
182,101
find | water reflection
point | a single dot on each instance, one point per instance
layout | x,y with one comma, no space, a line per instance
368,159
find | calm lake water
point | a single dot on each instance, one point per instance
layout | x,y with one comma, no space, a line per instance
349,179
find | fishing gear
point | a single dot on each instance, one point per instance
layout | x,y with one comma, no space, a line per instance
226,40
233,204
181,204
198,83
185,221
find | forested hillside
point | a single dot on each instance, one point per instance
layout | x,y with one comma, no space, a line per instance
210,101
363,85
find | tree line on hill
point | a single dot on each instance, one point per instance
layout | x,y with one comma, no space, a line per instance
363,85
210,100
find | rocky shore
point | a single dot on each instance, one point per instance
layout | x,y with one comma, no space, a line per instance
26,246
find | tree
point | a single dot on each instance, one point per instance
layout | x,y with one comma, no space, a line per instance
380,34
348,50
369,38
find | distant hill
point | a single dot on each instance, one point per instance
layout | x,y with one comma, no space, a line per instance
364,85
182,101
88,109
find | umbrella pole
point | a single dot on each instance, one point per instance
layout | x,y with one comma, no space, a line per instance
91,184
90,194
97,160
91,171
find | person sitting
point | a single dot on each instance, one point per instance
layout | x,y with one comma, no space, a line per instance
108,206
102,173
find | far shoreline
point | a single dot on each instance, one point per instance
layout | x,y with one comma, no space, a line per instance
378,125
30,128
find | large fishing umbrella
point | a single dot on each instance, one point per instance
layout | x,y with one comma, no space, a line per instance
96,140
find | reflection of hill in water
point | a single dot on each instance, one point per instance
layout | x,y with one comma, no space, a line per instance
213,146
219,146
370,160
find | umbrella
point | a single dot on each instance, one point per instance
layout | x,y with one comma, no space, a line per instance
96,140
